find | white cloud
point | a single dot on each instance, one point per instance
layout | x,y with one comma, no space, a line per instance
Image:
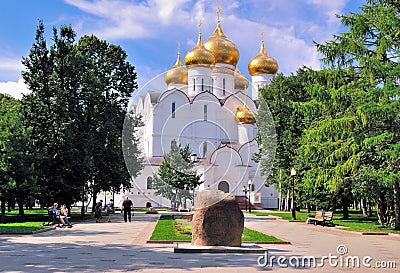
329,8
129,20
10,64
289,33
14,89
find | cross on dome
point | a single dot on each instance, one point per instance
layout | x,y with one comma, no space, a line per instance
219,13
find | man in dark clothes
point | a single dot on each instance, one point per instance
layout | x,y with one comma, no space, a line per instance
127,206
97,211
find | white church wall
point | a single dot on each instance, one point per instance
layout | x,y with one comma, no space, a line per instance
223,80
259,81
199,80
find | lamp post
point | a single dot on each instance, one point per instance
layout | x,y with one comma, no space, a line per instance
250,189
245,196
193,159
293,174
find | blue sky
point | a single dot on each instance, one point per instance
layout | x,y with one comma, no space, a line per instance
149,30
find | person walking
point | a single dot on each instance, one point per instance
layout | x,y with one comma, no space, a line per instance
127,206
110,209
97,211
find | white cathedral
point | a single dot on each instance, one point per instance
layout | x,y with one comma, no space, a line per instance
206,107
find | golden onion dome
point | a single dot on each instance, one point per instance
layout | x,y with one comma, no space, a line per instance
199,55
241,82
262,63
244,115
177,74
224,50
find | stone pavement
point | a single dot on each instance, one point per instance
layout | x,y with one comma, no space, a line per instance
121,247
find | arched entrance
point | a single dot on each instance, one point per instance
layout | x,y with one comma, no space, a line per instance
223,186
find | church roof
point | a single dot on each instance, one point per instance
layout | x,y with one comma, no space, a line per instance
153,96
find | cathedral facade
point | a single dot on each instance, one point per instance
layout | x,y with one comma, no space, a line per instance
206,107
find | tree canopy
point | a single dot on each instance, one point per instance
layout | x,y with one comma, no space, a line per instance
75,112
176,179
339,127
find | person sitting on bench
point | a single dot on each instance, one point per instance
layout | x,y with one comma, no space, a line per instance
64,214
58,216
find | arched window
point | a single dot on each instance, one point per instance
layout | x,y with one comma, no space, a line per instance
149,183
194,85
173,110
223,186
202,84
223,87
205,112
212,85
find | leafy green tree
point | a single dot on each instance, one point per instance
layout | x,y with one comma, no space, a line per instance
16,166
50,110
176,177
76,110
281,97
370,46
329,148
107,83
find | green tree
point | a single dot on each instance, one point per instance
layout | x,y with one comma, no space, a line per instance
76,110
107,83
370,46
329,148
51,110
176,177
16,166
281,96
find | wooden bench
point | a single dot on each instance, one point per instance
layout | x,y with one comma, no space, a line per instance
321,217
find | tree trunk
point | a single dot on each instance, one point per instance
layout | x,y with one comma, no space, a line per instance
83,205
287,202
3,210
345,205
396,194
21,207
94,202
369,209
382,209
364,206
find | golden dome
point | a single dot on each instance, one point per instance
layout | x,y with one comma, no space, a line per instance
244,115
241,82
262,63
177,74
224,50
199,55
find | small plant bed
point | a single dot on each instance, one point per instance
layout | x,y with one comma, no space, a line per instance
179,229
165,231
21,228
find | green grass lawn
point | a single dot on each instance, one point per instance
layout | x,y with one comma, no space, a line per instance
28,212
165,230
356,222
26,227
300,216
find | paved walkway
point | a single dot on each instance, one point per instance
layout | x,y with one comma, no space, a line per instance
121,247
